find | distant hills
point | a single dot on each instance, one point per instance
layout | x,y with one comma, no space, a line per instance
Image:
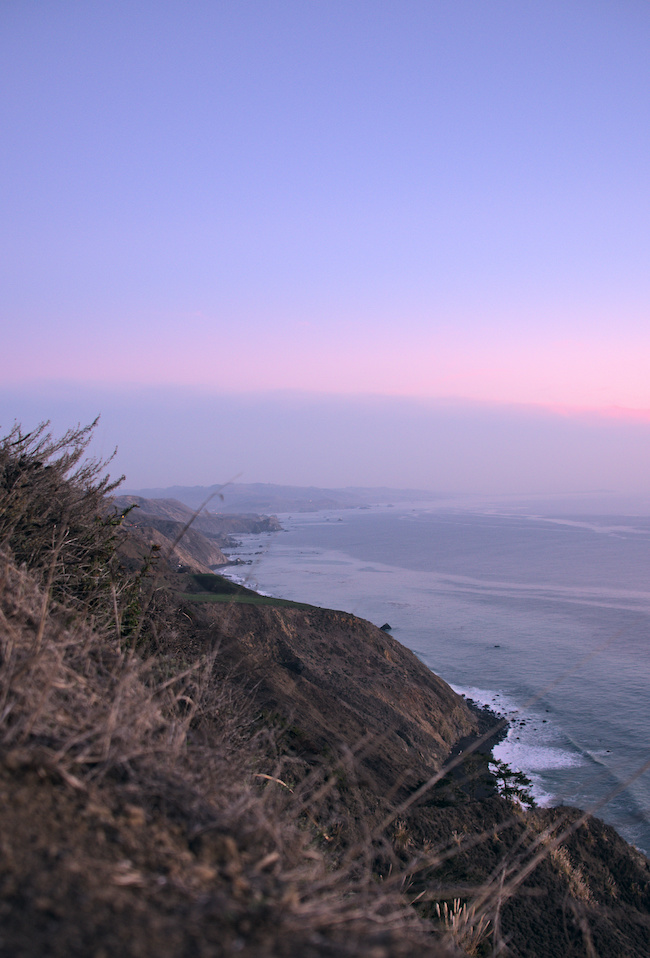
268,498
191,542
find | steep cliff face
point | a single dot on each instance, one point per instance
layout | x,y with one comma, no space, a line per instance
342,682
167,525
190,541
215,525
194,552
550,882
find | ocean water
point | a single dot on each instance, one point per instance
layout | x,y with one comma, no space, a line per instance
545,619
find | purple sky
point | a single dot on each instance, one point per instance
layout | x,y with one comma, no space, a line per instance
285,238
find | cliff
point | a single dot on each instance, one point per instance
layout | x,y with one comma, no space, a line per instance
189,768
191,541
341,683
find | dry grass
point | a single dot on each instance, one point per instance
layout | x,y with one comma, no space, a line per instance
76,707
252,831
79,706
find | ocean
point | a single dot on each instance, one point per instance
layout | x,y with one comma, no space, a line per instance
546,619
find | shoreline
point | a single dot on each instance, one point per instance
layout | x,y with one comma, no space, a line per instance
506,715
537,741
536,755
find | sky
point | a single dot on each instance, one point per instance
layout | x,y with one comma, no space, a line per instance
332,241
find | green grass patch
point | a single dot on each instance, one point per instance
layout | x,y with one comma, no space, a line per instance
247,599
207,587
209,582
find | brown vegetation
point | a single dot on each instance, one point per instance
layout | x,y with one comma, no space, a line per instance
179,778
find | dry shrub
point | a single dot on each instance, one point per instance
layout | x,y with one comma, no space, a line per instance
464,927
85,703
54,516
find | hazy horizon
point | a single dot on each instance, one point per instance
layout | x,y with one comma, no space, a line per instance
331,243
176,436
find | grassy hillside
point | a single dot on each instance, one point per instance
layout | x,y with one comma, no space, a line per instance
185,769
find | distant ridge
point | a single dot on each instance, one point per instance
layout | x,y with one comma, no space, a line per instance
268,498
195,541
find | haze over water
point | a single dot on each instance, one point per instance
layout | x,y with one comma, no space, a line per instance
509,609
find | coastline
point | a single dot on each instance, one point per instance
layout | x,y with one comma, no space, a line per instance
527,756
491,707
569,761
501,728
261,776
493,726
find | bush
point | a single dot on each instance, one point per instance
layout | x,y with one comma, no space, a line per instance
53,513
513,785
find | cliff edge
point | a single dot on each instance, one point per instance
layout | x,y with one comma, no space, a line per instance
189,768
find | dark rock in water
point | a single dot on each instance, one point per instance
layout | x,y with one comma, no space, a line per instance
385,627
